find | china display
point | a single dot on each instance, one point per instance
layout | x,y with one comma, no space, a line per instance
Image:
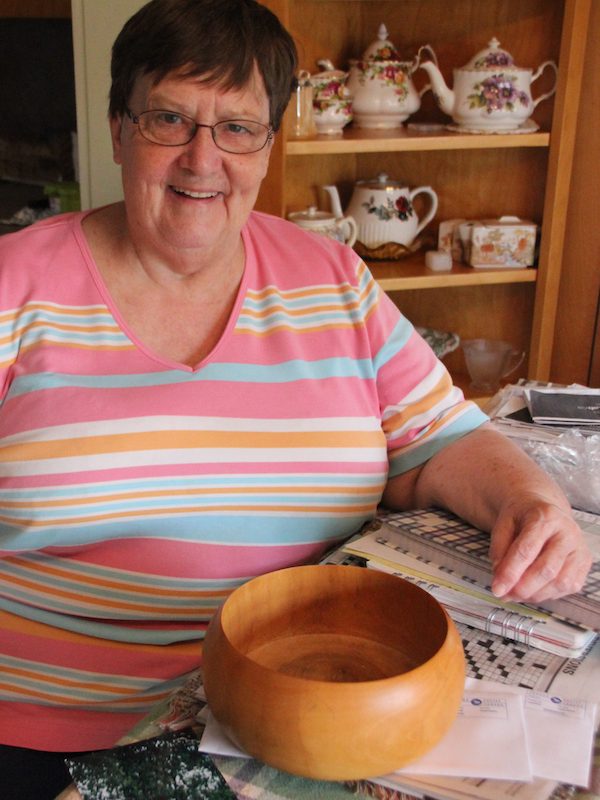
490,93
383,94
384,211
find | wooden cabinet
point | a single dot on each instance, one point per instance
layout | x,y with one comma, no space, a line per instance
35,8
475,176
576,351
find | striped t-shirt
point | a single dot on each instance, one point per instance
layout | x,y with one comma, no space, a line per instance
136,493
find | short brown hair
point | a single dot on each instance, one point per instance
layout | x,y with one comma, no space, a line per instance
218,39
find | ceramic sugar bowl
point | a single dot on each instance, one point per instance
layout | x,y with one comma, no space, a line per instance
332,103
335,226
383,94
490,93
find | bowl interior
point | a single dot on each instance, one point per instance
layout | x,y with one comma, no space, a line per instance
334,623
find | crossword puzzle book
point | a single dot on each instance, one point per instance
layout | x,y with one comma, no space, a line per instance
448,557
453,543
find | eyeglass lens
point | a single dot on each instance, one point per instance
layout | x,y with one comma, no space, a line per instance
233,135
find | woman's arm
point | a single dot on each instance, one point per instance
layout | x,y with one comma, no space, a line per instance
537,549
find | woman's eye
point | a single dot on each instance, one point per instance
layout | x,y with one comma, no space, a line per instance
237,128
169,118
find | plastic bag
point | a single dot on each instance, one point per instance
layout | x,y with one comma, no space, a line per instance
573,460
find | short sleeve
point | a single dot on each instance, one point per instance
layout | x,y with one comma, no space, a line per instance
422,411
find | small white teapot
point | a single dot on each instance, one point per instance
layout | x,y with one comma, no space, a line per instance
383,94
335,226
383,210
490,92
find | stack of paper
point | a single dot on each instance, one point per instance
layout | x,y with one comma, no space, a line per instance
569,406
500,733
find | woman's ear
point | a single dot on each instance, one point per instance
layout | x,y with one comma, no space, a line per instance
116,127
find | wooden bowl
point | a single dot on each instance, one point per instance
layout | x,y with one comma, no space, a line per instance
333,672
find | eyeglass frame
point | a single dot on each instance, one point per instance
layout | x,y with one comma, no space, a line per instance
135,118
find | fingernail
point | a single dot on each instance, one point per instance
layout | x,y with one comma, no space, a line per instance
499,589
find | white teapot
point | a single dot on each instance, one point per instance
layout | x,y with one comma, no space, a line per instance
384,212
335,226
383,94
490,92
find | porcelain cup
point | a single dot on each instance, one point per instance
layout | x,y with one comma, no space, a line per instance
488,361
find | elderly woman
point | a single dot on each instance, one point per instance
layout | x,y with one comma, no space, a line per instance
194,393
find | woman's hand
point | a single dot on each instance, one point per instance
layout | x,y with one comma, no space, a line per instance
537,550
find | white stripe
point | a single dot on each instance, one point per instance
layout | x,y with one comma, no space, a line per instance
423,388
249,455
430,415
192,423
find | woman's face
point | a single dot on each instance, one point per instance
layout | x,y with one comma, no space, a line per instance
192,197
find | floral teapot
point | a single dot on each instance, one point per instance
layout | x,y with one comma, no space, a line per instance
490,93
384,212
383,94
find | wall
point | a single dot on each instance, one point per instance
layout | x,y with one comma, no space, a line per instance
95,26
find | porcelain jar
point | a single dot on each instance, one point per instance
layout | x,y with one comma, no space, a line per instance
332,102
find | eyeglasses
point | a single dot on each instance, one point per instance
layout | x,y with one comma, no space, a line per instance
171,129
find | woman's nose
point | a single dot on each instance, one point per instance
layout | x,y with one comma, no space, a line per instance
201,151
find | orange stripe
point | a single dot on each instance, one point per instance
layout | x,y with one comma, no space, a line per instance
7,316
259,490
33,523
265,313
398,420
316,291
69,682
75,577
240,329
22,626
19,332
71,701
168,440
195,613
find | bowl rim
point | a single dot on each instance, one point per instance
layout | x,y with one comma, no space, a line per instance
405,676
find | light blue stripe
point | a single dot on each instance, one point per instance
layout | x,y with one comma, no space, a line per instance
62,608
43,334
286,372
129,596
349,295
394,343
79,569
459,427
316,318
175,505
99,630
206,528
28,316
141,684
266,480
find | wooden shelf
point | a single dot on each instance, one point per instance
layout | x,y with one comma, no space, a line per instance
476,176
357,140
411,273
